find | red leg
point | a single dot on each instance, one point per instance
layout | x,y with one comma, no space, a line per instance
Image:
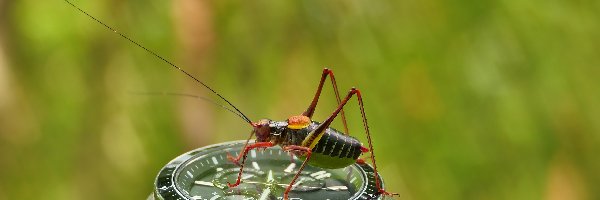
360,161
366,125
310,138
236,160
245,154
311,109
308,153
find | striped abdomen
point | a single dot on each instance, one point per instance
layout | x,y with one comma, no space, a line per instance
335,150
332,150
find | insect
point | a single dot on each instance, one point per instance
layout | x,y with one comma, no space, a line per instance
315,142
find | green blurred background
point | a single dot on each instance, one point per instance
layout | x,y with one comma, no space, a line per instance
465,99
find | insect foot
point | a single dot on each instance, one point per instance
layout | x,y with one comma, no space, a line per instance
385,193
233,159
234,185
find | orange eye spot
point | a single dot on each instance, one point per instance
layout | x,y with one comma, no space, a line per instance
298,122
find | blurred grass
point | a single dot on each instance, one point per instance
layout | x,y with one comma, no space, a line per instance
466,99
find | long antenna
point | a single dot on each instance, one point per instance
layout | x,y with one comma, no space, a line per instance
192,96
163,59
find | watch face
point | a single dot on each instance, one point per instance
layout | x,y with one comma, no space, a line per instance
204,173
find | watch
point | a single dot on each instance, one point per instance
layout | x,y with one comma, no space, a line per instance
203,174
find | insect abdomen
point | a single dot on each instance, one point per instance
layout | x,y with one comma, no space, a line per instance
335,150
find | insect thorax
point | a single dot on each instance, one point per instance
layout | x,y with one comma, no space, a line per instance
282,135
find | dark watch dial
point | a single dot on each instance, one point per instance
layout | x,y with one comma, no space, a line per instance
202,174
